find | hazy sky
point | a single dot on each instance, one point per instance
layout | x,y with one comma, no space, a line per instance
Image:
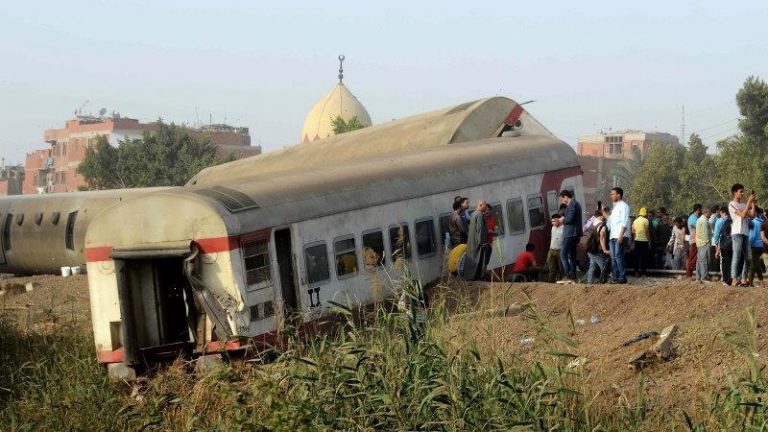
588,65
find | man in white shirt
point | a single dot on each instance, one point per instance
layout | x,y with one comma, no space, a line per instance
553,256
618,226
739,213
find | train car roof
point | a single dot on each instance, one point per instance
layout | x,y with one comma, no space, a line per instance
80,196
466,122
344,186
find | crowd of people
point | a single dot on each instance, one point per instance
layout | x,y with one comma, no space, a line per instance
730,238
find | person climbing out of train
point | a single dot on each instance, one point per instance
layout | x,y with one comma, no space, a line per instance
572,232
477,244
456,228
554,266
619,229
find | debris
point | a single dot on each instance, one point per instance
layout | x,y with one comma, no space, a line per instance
578,361
30,286
594,319
11,289
580,322
662,350
527,340
638,338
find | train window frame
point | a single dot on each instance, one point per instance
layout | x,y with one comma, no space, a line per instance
499,216
520,215
433,250
307,269
7,231
19,219
38,218
444,228
407,249
535,207
258,284
553,202
55,216
337,252
383,254
69,234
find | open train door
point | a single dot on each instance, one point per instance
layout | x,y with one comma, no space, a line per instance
286,269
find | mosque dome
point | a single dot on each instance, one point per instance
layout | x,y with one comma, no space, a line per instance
338,102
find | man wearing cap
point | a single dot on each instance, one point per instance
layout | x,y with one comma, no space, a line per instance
641,233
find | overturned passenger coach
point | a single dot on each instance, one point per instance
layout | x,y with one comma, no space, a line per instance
218,263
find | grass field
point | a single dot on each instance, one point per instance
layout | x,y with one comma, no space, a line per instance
395,372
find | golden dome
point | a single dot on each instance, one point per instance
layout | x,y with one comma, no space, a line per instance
338,102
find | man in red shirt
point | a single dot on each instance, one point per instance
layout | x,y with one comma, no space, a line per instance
525,264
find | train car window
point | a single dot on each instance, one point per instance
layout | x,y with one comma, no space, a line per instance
498,215
444,220
346,256
7,231
69,237
257,266
553,202
373,248
19,219
38,218
399,241
425,237
536,215
316,259
516,215
55,218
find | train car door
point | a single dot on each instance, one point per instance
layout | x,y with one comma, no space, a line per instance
284,254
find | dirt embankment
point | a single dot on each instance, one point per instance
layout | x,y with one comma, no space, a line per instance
716,335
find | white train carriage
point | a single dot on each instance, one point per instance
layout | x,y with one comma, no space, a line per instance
213,266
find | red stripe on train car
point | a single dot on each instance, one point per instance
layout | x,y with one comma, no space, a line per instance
218,244
513,115
101,253
107,356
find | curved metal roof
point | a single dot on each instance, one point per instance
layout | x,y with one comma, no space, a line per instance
470,121
295,196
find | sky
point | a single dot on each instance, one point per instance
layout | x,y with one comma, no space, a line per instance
589,66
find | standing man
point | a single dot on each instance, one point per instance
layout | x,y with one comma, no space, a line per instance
555,267
756,244
692,248
597,248
474,264
456,228
572,232
618,227
702,242
676,245
739,213
721,238
641,230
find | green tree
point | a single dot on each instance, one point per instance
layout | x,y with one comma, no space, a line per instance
696,177
167,157
625,172
657,178
99,165
341,126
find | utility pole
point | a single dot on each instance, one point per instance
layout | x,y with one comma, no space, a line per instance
682,138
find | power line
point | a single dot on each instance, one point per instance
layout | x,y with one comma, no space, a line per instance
717,125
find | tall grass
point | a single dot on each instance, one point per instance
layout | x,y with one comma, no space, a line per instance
397,372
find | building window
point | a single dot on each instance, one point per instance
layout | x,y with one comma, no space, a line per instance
257,265
316,260
399,241
498,216
425,237
63,177
346,258
373,248
516,215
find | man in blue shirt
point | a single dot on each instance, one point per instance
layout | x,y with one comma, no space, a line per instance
692,249
724,255
756,243
572,232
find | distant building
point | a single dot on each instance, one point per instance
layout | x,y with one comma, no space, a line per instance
11,179
599,154
54,169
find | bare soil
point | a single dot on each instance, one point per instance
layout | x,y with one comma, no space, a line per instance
715,338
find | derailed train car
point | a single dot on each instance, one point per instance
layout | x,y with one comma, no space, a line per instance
218,264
